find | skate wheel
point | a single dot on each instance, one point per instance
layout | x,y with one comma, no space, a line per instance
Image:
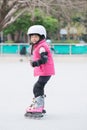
44,111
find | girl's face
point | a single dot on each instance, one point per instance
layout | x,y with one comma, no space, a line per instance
34,38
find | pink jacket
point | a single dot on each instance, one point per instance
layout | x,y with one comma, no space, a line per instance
46,69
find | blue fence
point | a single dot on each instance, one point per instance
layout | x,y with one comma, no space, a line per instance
64,49
70,48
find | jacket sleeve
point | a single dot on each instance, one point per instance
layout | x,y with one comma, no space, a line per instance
43,59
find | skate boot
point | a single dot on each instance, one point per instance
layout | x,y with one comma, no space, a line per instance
37,106
36,110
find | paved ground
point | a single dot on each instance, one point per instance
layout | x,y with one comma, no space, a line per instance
66,101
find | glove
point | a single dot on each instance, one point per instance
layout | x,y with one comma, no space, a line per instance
34,63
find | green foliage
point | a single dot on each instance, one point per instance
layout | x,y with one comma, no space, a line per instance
76,19
21,24
11,29
25,21
66,41
9,42
50,23
38,17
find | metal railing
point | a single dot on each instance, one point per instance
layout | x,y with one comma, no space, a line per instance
63,49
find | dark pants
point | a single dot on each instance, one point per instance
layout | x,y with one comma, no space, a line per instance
38,89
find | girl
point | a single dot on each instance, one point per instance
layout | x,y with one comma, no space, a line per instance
43,65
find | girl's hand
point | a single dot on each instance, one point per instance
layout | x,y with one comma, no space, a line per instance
34,63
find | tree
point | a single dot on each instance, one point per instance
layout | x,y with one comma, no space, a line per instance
10,10
51,25
18,30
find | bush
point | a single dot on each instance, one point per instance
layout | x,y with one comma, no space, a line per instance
65,41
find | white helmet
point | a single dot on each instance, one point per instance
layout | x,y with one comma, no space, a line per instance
37,29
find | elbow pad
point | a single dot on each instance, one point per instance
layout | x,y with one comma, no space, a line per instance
42,60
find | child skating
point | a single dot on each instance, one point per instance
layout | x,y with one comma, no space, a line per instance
43,64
